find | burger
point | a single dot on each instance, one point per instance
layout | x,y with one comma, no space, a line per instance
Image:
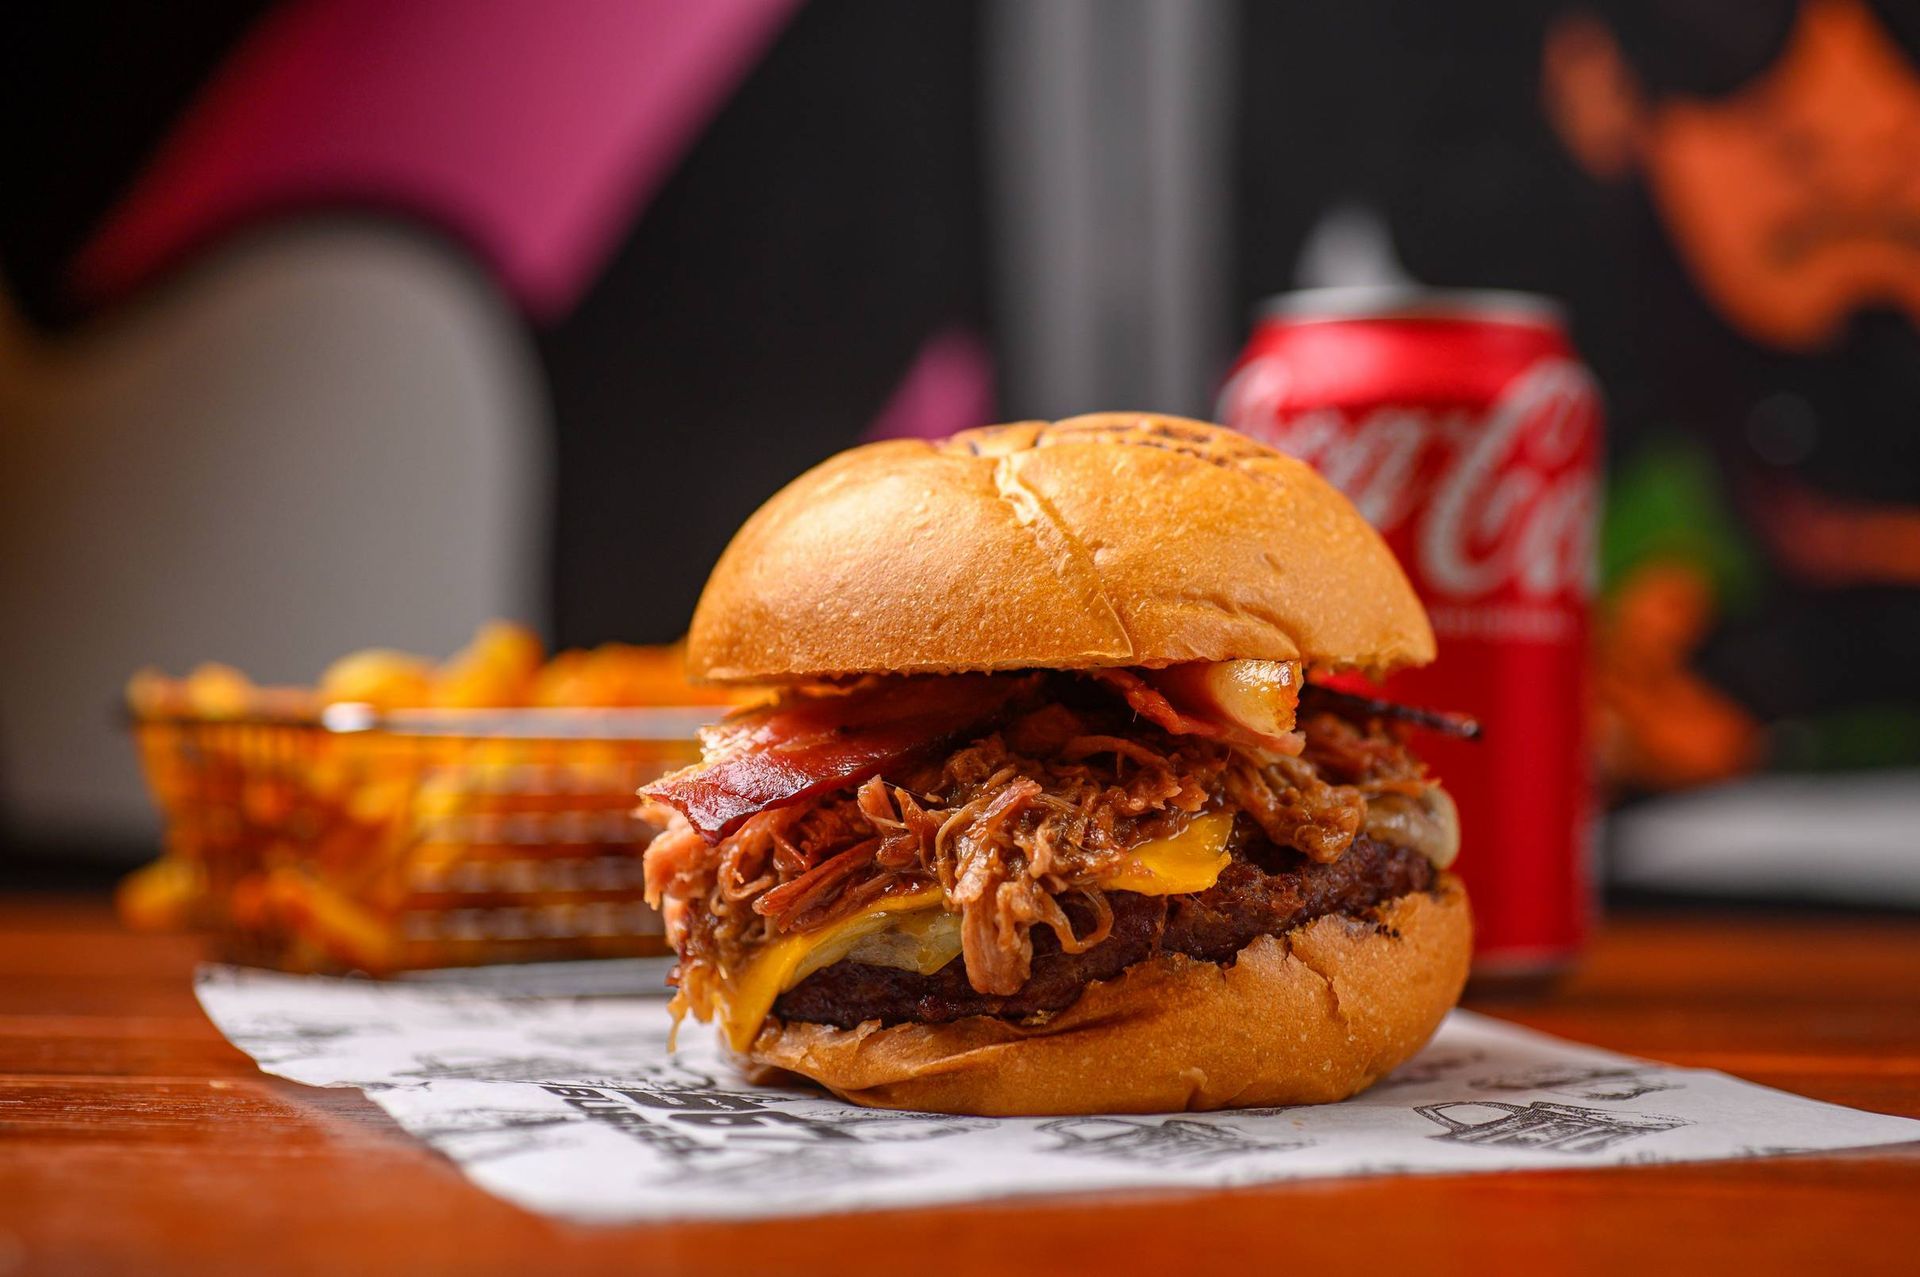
1050,808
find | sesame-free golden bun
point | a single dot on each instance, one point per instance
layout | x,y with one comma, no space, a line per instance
1310,1017
1116,539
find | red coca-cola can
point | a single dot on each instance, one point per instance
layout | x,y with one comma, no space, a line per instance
1466,428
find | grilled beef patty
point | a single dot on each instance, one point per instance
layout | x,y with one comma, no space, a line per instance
1263,893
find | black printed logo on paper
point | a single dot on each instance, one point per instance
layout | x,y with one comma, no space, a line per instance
697,1124
1554,1128
486,1067
1175,1142
1603,1082
1432,1065
476,1135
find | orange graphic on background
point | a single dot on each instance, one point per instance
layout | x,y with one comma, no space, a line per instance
1662,726
1792,202
1833,542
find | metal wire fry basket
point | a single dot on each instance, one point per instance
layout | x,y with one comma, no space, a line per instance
354,840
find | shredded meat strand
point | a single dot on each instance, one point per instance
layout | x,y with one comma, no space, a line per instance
1014,827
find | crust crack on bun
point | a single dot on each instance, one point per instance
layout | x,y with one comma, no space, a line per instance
1107,540
1307,1018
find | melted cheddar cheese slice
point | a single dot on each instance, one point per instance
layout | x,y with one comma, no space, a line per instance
747,996
1189,861
915,932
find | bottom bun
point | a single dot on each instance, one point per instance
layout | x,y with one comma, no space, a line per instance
1310,1017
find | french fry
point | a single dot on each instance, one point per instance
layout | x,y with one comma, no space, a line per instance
159,896
218,691
497,669
379,850
381,677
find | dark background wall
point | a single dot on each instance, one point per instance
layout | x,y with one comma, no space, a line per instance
896,212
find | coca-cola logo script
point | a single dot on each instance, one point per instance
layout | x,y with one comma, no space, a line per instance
1493,502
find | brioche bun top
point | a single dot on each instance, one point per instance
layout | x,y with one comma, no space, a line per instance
1104,540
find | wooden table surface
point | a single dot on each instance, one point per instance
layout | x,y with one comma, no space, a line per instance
134,1139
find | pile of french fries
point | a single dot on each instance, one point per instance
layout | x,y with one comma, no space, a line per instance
381,851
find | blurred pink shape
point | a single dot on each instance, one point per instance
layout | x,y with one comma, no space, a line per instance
948,387
533,131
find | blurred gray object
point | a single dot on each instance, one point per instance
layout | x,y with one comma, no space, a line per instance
326,436
1846,838
1110,135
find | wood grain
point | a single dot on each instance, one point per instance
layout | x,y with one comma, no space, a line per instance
134,1140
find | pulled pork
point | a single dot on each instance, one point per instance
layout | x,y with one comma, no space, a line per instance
1016,828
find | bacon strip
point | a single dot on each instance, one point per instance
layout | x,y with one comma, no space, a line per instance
1177,700
1152,704
812,744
